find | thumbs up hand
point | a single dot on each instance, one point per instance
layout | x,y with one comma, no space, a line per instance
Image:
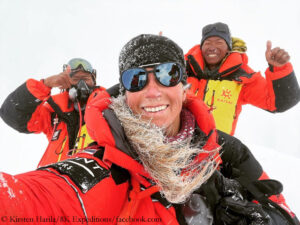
276,56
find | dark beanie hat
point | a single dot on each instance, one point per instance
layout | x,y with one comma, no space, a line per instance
217,29
147,49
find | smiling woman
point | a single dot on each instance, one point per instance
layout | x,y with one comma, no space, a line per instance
157,158
162,105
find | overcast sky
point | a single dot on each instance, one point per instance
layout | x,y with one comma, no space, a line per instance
38,37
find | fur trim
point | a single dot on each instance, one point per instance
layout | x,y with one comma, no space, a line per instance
172,165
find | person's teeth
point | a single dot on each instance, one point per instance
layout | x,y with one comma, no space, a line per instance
155,109
212,55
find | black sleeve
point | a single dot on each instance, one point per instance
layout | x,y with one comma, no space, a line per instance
287,92
237,159
18,108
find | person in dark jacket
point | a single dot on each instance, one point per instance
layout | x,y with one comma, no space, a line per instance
219,75
157,161
32,109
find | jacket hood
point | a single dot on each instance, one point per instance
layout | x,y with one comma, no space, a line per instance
140,147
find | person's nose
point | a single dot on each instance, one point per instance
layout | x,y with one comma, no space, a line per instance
211,49
152,90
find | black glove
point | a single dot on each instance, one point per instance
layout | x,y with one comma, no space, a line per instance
231,202
241,212
236,206
218,187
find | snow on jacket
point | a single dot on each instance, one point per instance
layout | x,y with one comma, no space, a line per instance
107,185
31,109
235,84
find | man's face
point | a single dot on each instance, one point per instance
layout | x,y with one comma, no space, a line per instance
85,76
159,103
214,49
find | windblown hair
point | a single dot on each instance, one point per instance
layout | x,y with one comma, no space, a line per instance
172,165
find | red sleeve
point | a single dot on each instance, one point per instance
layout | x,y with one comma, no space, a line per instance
38,89
259,92
275,73
96,124
24,110
36,194
40,120
278,92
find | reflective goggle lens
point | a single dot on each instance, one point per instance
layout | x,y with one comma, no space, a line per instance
134,79
76,64
167,74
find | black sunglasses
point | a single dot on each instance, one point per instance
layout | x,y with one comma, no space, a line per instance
167,74
218,26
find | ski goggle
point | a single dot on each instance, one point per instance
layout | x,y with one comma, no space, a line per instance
167,74
80,64
218,26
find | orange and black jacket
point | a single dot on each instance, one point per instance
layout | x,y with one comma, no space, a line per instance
234,84
31,109
106,184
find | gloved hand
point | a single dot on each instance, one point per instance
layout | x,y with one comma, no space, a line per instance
231,202
241,212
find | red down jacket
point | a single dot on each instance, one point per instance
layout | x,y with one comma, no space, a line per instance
235,84
105,185
31,109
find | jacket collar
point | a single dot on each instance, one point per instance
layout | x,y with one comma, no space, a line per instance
231,63
118,151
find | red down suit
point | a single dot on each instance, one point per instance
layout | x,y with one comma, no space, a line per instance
107,185
31,109
234,84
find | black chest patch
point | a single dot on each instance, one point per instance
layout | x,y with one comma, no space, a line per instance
85,173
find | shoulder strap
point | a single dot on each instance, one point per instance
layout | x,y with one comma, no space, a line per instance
70,118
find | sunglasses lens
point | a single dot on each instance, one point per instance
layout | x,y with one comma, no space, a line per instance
168,74
134,79
77,63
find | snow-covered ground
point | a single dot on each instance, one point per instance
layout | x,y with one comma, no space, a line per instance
38,37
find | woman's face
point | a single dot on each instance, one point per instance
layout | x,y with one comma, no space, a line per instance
159,103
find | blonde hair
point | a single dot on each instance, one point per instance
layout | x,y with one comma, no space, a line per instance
171,165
